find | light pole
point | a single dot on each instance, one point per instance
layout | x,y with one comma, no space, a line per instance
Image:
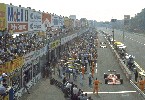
113,22
126,23
123,33
113,36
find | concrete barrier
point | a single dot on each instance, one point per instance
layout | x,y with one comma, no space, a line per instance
136,64
125,69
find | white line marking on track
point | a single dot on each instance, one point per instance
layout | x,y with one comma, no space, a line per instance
125,95
96,71
119,92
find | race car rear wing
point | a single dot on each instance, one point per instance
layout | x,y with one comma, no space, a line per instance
111,70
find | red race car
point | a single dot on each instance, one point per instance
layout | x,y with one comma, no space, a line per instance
112,78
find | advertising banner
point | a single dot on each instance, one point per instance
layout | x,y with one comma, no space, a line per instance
54,44
35,20
77,23
61,22
1,69
2,16
126,19
66,22
28,57
10,66
17,63
55,21
7,67
17,18
43,50
34,54
63,40
46,21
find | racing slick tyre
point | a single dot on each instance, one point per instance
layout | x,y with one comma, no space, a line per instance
118,75
106,81
105,75
121,81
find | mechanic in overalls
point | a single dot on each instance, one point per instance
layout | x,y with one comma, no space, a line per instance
93,69
96,86
83,71
141,84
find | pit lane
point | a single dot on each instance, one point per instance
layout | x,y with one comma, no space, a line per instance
106,61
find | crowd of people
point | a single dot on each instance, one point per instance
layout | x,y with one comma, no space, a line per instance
12,46
79,61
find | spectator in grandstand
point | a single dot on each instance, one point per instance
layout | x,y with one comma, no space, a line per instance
11,47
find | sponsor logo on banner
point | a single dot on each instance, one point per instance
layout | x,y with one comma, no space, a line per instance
35,20
54,44
17,18
17,63
28,57
34,54
18,27
55,21
2,16
17,14
10,66
61,22
46,21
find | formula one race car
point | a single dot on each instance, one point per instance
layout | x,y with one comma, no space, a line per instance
112,78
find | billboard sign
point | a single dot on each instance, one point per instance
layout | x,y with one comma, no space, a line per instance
17,18
46,21
35,20
61,22
55,21
2,16
126,19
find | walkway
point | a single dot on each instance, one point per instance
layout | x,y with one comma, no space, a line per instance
43,91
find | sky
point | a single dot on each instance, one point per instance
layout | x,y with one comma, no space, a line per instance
99,10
